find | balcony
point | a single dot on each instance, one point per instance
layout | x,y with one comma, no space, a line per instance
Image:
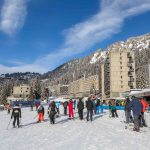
130,84
130,74
131,79
129,64
129,55
131,70
130,61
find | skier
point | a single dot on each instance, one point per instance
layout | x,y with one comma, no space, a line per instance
40,111
90,107
145,106
65,104
80,107
31,106
52,110
8,108
74,104
57,107
101,106
70,109
127,110
97,106
16,114
136,107
109,107
113,109
94,105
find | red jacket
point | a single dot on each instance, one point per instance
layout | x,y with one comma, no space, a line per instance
145,105
70,106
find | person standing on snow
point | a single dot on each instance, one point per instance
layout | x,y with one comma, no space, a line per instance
40,111
145,106
70,109
80,107
8,108
57,107
90,107
113,109
97,106
16,114
65,104
136,107
101,106
52,110
127,110
74,104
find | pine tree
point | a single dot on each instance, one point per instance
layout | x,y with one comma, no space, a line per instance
37,90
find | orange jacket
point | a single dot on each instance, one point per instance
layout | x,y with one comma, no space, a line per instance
144,104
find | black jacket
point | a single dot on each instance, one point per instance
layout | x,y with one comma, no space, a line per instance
89,105
65,104
126,106
52,110
16,112
80,105
40,109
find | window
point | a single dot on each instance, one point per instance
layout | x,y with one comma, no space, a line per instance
121,77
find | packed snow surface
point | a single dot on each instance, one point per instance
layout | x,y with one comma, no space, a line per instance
103,133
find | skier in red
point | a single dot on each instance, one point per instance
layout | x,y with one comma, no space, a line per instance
70,109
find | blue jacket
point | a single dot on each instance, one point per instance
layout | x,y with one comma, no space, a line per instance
136,106
57,104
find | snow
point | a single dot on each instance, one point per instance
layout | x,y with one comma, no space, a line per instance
103,133
97,56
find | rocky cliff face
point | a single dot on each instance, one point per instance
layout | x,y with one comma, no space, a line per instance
89,65
76,69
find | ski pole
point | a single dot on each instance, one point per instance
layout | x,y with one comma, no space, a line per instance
20,123
8,124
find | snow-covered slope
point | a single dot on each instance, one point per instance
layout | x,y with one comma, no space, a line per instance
103,133
138,43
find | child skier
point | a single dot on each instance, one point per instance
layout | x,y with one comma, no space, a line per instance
40,111
52,110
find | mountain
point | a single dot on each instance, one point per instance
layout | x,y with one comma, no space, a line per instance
76,69
88,66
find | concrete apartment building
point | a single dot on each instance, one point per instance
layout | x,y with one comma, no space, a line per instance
117,73
21,91
78,88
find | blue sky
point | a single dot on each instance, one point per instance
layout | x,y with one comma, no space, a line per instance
39,35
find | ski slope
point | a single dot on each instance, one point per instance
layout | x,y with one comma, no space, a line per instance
103,133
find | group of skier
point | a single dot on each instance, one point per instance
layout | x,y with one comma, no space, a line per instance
138,107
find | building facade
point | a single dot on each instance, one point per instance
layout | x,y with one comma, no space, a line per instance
117,73
21,91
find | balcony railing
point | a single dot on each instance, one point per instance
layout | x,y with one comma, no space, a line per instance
131,80
131,70
130,83
130,74
129,64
